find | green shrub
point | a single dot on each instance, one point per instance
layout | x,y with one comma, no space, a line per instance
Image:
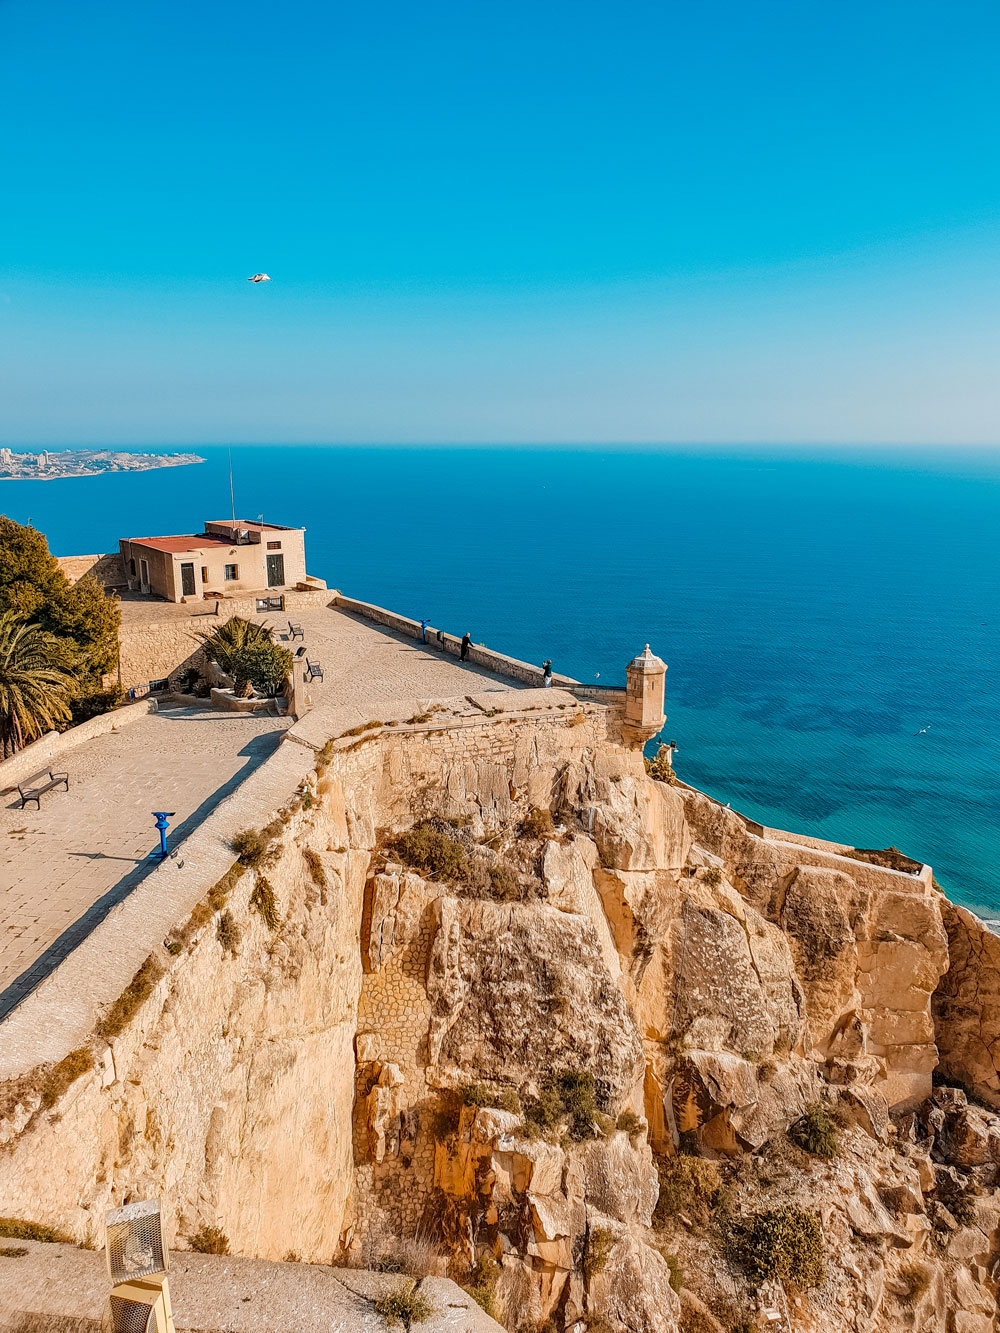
537,823
228,933
571,1096
253,847
405,1306
12,1251
14,1228
263,901
676,1271
916,1280
629,1122
688,1185
784,1243
479,1094
481,1283
712,876
599,1244
131,999
248,653
504,885
816,1131
660,767
314,861
209,1240
431,851
355,731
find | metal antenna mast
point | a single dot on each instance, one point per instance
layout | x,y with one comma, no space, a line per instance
232,497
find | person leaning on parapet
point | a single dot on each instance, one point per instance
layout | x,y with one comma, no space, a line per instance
547,673
466,640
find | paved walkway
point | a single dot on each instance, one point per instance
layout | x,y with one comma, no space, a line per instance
64,866
368,667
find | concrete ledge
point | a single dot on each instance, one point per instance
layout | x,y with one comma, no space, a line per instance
39,754
60,1289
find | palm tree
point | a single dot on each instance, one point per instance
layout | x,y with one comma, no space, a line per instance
235,647
34,686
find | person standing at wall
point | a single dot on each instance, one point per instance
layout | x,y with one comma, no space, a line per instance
547,673
466,640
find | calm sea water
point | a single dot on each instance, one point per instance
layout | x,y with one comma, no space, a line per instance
817,613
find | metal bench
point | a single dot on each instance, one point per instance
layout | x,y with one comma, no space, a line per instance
35,788
313,670
295,631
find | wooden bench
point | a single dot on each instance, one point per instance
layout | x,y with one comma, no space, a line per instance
313,670
36,787
295,632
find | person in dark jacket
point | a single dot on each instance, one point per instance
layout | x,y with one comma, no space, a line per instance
466,640
547,673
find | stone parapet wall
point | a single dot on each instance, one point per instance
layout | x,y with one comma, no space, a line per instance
107,568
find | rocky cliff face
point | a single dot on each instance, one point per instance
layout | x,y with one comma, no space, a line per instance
613,1056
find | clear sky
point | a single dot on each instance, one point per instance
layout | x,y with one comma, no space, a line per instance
635,222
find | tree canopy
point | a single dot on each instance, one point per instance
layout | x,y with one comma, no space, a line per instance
81,619
247,652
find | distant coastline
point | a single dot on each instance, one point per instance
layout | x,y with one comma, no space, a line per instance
56,466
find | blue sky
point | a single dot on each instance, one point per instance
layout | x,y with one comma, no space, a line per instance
520,222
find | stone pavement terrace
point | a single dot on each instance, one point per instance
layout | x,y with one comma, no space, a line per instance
368,667
65,866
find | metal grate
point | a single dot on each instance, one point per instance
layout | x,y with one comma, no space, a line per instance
134,1241
131,1316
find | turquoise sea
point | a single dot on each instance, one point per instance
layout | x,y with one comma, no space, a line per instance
831,621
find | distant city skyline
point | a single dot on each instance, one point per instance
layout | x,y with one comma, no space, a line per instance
533,224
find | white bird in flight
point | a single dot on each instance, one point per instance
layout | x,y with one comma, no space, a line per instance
259,277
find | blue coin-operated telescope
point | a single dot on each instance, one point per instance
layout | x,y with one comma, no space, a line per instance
161,817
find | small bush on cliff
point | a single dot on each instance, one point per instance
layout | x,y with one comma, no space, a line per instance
431,851
660,767
315,865
537,823
263,901
572,1096
481,1283
504,1099
131,999
784,1243
228,933
676,1271
254,849
816,1131
712,876
209,1240
504,884
688,1185
66,1072
405,1306
600,1243
630,1122
915,1282
14,1228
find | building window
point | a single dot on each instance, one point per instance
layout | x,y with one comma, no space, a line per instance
131,565
274,546
232,573
204,573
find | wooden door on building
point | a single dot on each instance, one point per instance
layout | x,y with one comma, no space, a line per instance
187,580
275,571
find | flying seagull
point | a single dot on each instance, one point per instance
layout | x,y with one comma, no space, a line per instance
923,731
259,277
